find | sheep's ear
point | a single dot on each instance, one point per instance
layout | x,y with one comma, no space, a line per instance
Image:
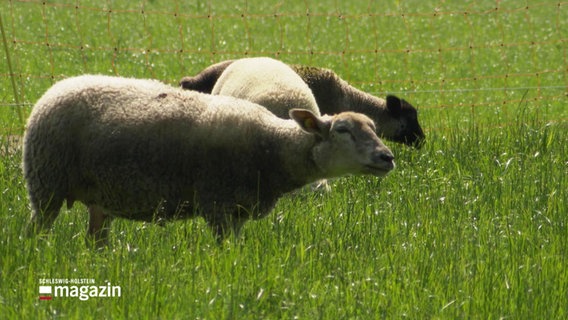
309,122
184,82
394,105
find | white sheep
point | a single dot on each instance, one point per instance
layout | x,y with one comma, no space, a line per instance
395,118
143,150
267,82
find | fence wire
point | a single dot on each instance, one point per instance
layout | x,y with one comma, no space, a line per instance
483,54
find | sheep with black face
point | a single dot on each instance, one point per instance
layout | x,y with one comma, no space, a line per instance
396,119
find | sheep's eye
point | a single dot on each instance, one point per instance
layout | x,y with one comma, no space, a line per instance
342,130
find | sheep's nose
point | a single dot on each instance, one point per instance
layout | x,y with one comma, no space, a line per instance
387,157
381,156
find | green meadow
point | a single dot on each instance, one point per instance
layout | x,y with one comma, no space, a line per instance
474,225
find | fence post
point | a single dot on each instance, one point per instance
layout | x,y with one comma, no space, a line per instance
12,75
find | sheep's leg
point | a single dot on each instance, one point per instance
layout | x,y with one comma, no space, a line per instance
44,212
99,225
222,227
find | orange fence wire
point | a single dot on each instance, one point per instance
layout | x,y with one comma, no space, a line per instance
323,34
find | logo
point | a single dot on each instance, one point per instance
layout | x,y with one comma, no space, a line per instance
82,289
44,292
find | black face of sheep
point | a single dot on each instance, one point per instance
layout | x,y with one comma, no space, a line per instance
409,131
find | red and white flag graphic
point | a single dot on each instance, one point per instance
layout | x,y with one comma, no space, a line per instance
44,292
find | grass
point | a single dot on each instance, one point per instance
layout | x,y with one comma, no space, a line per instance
474,225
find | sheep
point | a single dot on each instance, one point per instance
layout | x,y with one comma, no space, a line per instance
267,82
395,118
143,150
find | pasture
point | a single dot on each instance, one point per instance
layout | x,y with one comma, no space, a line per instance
473,225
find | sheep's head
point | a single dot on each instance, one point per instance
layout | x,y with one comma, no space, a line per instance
347,143
406,128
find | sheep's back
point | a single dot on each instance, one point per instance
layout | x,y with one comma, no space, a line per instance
131,144
267,82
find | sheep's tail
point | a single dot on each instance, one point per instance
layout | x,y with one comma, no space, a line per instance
45,168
